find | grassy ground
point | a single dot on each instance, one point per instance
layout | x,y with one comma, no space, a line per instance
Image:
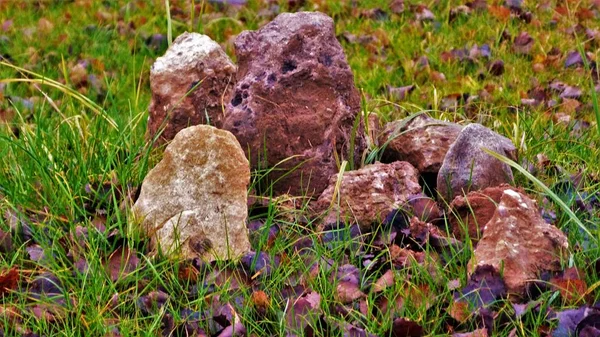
71,162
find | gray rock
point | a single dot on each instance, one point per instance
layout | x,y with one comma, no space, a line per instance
295,97
196,197
189,85
467,167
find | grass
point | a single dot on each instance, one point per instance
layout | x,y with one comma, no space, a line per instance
71,164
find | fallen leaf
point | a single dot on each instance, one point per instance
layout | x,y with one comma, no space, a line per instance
122,262
402,327
523,44
9,280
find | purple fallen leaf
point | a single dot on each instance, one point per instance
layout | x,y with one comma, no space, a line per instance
475,333
397,6
496,68
514,4
122,262
405,328
237,329
573,59
571,92
304,311
151,303
400,93
484,287
422,13
568,321
259,262
523,43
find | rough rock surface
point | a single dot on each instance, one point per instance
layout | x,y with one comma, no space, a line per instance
193,63
368,195
196,197
295,96
519,242
467,167
474,211
421,140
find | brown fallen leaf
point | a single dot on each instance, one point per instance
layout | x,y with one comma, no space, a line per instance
386,280
122,262
9,280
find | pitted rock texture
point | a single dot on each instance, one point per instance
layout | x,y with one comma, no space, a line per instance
470,214
295,96
368,195
189,84
467,167
519,242
421,140
196,197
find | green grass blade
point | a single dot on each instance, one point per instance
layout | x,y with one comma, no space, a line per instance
544,188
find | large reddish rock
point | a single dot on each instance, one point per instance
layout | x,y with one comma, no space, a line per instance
420,140
189,85
366,196
518,242
295,96
467,167
469,214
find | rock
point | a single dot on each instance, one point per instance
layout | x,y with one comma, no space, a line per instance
518,242
368,195
467,167
193,63
295,96
196,197
474,211
419,140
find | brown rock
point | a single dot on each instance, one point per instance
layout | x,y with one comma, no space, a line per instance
419,140
196,197
189,83
295,96
467,167
474,211
368,195
519,243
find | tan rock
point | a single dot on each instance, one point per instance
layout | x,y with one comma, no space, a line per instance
518,242
196,197
189,85
368,195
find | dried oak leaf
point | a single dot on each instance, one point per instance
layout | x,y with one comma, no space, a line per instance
9,280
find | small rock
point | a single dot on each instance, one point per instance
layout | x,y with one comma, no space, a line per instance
518,242
196,197
474,210
467,167
421,141
368,195
295,96
189,84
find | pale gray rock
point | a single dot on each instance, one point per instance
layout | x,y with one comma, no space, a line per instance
467,167
189,84
196,197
